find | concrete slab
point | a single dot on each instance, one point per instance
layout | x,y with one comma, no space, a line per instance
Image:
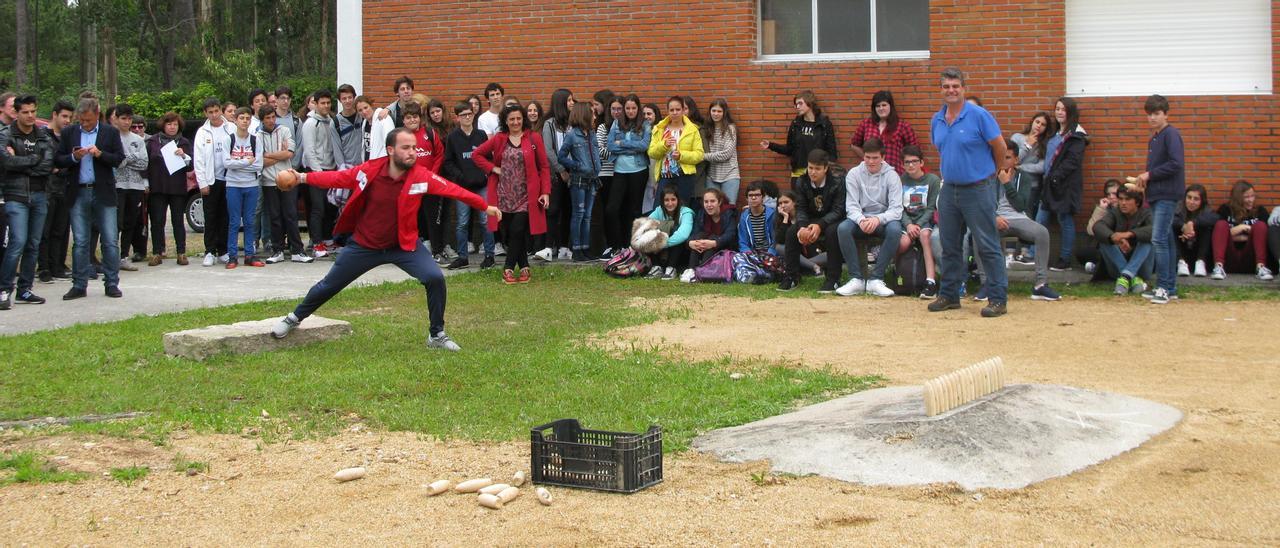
249,337
1009,439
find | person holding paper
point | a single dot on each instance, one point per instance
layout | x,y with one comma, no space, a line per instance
170,161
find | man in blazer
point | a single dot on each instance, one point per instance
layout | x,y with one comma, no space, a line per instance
91,150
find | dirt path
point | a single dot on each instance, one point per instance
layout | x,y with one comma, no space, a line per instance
1213,479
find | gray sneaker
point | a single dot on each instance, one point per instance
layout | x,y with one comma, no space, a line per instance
442,341
286,325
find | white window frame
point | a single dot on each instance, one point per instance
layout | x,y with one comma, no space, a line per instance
847,56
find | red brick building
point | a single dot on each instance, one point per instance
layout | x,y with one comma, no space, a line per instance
1019,57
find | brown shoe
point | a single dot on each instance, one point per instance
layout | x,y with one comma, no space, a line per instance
155,261
182,260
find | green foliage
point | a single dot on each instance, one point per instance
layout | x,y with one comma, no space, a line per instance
129,474
188,467
233,73
29,467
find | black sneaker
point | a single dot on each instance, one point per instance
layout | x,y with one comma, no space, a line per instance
6,300
439,258
930,290
458,263
942,303
579,256
828,286
62,275
113,292
787,284
27,297
487,262
73,294
46,277
1060,265
993,309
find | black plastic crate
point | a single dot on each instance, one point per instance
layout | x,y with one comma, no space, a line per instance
563,453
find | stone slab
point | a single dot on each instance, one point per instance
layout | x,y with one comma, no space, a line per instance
249,337
1012,438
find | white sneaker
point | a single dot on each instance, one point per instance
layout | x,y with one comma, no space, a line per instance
498,250
442,342
565,254
1264,274
1090,267
471,248
1183,269
301,258
1218,272
544,254
449,253
208,260
687,276
669,273
879,289
285,326
854,286
1200,270
224,259
277,258
654,273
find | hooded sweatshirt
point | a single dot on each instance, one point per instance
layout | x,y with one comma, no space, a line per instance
132,173
321,147
873,194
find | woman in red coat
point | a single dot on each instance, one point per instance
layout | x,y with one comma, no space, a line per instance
519,185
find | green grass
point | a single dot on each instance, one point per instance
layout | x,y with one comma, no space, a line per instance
129,474
189,467
526,361
30,467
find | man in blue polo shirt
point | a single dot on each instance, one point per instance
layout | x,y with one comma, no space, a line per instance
969,142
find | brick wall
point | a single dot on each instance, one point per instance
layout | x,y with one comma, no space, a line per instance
657,48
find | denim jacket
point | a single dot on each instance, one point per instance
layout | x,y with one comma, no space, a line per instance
630,150
578,153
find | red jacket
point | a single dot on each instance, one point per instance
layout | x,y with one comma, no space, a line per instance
537,174
430,148
418,182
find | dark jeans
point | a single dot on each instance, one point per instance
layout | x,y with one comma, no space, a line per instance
132,224
315,214
57,228
431,221
281,211
215,219
558,210
26,226
851,246
464,213
175,204
355,260
623,206
830,241
516,227
1199,248
88,213
971,207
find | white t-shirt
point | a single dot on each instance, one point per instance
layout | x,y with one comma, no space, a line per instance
488,123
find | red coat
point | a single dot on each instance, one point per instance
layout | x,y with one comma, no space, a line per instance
418,182
537,174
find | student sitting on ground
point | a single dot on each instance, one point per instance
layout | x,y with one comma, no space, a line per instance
1125,233
812,257
713,229
1240,235
1011,222
677,221
1106,203
1193,227
755,225
919,202
873,209
819,209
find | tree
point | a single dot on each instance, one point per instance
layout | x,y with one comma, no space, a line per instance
22,39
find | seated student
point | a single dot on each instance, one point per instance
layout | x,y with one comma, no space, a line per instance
755,225
1011,222
1106,203
873,209
1240,235
1193,226
677,221
1125,233
713,229
919,202
812,258
820,203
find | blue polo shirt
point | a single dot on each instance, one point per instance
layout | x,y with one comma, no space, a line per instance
965,154
87,139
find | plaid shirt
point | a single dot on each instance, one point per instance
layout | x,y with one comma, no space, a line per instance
903,136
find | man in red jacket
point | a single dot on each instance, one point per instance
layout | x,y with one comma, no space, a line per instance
381,215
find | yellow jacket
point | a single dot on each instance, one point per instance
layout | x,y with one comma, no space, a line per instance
689,145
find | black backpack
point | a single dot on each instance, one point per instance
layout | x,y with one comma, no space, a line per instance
908,277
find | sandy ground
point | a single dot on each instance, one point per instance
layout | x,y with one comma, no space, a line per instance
1210,480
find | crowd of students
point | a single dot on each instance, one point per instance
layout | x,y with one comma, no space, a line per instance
551,170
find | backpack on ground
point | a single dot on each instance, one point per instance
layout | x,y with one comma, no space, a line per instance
756,267
908,275
717,268
627,263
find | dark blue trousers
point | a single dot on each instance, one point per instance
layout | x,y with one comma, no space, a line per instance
354,260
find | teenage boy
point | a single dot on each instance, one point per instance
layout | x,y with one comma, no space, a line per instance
873,209
281,206
243,160
211,143
755,225
350,130
257,100
1125,232
459,168
385,195
1164,182
919,202
403,89
131,189
57,224
26,160
488,122
321,151
819,210
1011,222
